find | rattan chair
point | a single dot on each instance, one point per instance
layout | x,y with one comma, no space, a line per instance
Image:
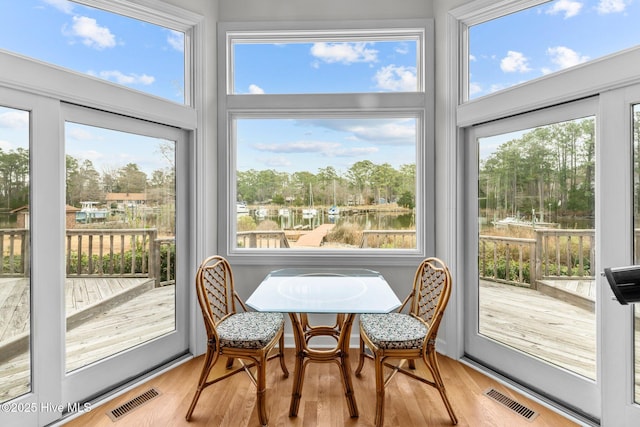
398,337
248,336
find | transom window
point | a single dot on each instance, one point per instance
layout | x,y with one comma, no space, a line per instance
332,154
550,37
130,52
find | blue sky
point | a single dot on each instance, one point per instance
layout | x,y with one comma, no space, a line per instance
548,38
136,54
308,145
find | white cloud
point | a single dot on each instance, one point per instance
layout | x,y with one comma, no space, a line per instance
396,78
474,88
565,57
14,120
62,5
380,132
299,147
514,62
80,134
570,8
92,34
255,90
611,6
176,40
386,132
279,161
91,155
402,49
322,148
5,145
124,79
345,53
472,58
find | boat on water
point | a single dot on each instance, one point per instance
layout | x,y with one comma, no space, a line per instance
310,212
261,212
242,209
513,221
89,211
334,210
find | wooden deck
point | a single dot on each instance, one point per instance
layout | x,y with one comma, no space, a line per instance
96,311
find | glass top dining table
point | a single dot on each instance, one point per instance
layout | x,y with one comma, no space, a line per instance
341,291
328,290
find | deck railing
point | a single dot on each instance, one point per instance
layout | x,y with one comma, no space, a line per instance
388,239
120,253
262,239
95,253
506,259
14,243
554,254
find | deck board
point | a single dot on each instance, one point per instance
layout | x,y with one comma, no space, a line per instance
131,322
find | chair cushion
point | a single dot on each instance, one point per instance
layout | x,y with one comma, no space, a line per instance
249,330
393,330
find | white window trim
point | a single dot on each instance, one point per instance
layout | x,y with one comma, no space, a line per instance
416,104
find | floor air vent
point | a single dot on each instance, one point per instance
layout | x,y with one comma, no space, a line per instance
516,407
125,408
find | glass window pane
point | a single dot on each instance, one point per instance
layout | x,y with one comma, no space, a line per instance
545,39
327,66
15,285
122,50
536,209
321,183
120,246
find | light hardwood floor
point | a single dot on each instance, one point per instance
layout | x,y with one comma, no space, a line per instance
231,403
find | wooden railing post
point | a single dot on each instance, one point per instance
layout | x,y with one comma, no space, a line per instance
154,258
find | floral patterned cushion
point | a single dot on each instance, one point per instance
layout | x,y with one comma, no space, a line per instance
249,330
393,330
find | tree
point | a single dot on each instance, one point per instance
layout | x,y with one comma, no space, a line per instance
407,200
359,176
130,179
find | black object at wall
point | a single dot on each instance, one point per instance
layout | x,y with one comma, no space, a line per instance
625,283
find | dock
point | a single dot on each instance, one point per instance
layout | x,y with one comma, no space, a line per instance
314,238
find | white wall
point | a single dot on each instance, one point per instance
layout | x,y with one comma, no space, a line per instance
286,10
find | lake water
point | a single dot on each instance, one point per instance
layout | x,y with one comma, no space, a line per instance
366,220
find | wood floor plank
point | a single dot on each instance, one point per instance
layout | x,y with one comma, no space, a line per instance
231,403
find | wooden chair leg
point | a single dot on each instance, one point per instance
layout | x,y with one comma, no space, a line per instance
379,368
210,359
432,364
298,380
281,356
360,359
229,362
261,386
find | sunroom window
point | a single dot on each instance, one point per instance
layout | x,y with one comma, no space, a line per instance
328,137
120,49
545,39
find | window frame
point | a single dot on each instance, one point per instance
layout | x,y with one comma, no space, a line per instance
43,88
419,104
608,78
